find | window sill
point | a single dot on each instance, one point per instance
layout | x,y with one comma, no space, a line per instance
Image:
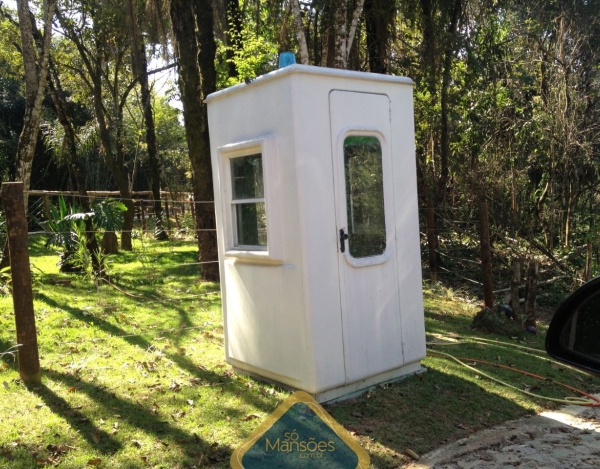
253,257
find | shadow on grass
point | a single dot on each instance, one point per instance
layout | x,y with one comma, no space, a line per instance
421,415
135,414
229,385
76,419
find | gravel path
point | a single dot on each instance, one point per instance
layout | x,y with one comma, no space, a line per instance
565,439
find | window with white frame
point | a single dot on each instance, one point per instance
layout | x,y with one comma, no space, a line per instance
251,202
248,202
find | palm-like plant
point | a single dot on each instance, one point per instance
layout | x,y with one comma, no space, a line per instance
66,229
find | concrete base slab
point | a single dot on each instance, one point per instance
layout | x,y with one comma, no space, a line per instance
348,391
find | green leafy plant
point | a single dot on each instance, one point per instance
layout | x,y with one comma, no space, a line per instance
5,281
66,229
63,232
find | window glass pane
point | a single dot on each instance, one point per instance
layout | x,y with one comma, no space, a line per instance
247,177
364,196
251,224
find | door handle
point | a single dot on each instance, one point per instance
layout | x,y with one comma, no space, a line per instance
343,238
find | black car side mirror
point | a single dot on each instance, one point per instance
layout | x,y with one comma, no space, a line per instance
574,333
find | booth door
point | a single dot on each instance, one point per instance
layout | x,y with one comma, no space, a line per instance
362,162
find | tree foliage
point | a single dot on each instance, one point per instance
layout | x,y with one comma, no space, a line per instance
506,93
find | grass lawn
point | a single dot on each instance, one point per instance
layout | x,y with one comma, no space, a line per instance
138,380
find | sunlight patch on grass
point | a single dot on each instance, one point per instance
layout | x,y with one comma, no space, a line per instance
134,374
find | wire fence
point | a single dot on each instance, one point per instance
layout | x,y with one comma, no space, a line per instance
40,216
456,254
456,231
175,207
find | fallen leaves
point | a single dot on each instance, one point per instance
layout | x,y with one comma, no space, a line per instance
535,387
56,451
94,462
157,387
150,366
59,449
250,417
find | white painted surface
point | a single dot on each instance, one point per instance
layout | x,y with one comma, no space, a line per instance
298,312
368,285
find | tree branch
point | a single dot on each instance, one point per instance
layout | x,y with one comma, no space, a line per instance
353,25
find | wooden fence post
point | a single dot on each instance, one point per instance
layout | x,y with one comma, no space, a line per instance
46,199
143,211
431,241
530,292
587,273
486,255
515,304
167,215
16,223
193,210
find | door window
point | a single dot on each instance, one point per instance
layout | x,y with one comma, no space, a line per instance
364,196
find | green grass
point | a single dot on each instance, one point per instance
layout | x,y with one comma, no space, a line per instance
138,380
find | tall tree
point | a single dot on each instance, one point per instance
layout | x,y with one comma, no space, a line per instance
192,23
379,23
140,72
66,121
36,72
339,23
99,34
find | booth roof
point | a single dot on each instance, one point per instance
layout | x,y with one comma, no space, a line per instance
310,70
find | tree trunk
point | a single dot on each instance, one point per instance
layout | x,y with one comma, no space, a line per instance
36,72
344,31
379,16
110,244
233,35
340,57
35,85
123,184
300,32
64,117
446,76
197,78
140,71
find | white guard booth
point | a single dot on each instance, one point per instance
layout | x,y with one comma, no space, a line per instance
317,221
